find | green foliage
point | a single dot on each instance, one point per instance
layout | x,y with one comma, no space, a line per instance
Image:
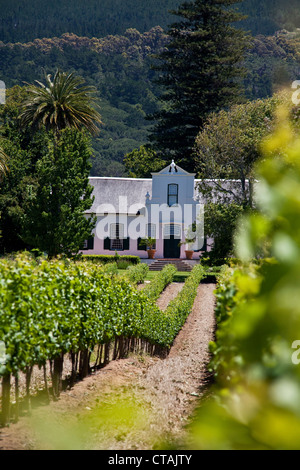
53,308
111,269
50,308
61,103
46,192
111,258
217,263
179,308
140,163
229,144
272,63
160,282
53,219
163,329
255,403
19,180
148,242
118,67
220,223
137,274
38,19
269,16
25,21
3,163
226,151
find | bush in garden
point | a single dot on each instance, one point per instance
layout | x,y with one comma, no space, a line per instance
137,274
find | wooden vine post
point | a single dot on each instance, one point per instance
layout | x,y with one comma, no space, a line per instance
6,386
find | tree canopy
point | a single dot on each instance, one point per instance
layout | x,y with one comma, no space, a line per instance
53,210
64,102
23,21
44,196
228,147
199,72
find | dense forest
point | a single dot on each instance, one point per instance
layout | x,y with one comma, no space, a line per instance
119,67
23,21
112,49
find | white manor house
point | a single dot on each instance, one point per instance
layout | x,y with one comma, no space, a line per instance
166,207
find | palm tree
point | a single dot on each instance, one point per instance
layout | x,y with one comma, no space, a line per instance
65,102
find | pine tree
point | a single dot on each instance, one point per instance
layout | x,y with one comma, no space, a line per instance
200,72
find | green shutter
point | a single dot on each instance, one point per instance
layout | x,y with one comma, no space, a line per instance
139,246
106,244
126,244
204,246
90,243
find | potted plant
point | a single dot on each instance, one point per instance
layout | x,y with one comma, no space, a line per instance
149,242
189,251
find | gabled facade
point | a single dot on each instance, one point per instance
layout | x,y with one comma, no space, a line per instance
165,207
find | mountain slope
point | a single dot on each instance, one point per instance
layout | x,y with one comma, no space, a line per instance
120,69
23,20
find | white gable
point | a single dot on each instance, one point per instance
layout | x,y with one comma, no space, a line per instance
173,169
173,175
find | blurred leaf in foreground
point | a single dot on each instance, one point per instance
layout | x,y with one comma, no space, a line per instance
255,402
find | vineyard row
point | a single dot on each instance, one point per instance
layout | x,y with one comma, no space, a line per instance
50,309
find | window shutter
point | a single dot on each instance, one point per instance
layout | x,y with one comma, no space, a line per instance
90,243
204,246
126,244
106,244
139,246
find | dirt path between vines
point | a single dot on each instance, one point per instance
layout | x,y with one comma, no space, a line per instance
135,403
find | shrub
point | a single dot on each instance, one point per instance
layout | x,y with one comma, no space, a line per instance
137,274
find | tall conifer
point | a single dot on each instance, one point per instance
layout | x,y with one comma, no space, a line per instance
200,72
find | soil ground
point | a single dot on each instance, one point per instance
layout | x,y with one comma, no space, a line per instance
137,403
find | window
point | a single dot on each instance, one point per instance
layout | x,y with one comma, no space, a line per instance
172,194
151,230
172,230
88,244
116,241
116,231
116,236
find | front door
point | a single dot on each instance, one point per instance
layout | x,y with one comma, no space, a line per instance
171,241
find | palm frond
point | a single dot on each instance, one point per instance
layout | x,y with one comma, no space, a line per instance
65,101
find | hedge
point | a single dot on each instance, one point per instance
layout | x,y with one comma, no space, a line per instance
112,258
161,280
